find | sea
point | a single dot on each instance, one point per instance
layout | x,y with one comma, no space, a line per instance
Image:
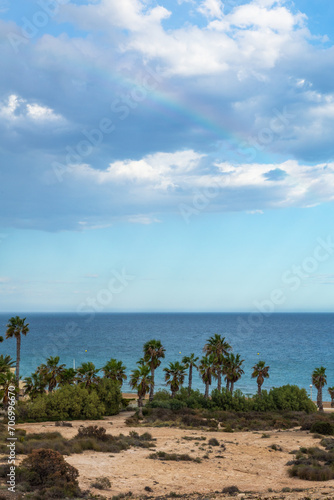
292,345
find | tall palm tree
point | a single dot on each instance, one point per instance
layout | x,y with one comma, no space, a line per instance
219,348
52,372
68,376
15,328
6,363
115,370
87,374
141,380
190,362
233,369
7,380
153,352
35,385
331,393
174,377
260,372
207,369
319,379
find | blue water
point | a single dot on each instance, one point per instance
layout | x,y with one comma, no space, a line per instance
291,344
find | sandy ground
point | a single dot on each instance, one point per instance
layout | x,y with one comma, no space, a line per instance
248,463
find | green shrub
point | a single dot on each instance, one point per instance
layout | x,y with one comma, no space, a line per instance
109,394
324,428
101,483
67,403
43,469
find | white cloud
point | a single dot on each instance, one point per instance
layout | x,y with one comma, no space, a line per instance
143,219
159,170
211,8
16,109
251,36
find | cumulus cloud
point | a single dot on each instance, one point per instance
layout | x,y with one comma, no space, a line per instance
217,82
15,109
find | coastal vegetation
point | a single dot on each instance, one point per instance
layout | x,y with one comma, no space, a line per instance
56,392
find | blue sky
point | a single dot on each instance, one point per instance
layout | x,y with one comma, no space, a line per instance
171,155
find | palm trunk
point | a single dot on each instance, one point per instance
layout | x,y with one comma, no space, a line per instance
140,407
219,377
190,378
173,394
152,384
259,389
232,387
227,385
319,399
206,395
332,402
18,358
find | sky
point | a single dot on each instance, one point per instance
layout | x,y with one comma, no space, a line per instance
168,155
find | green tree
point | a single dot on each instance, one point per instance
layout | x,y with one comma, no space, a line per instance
6,363
260,372
141,381
52,371
35,385
331,393
218,347
15,328
207,370
174,376
319,379
190,362
153,352
115,370
87,374
7,381
233,369
68,377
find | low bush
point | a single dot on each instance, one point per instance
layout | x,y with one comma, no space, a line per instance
324,428
88,438
47,471
313,464
101,483
164,456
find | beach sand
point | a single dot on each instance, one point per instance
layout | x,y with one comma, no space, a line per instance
248,463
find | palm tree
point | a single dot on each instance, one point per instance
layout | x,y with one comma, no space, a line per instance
35,385
190,362
331,392
141,380
174,377
68,376
52,372
319,379
153,352
87,374
6,363
15,328
7,380
219,348
233,370
115,370
260,372
207,369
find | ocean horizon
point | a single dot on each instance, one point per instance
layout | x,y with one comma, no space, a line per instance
292,344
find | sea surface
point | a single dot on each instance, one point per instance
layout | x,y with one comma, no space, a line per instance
291,344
